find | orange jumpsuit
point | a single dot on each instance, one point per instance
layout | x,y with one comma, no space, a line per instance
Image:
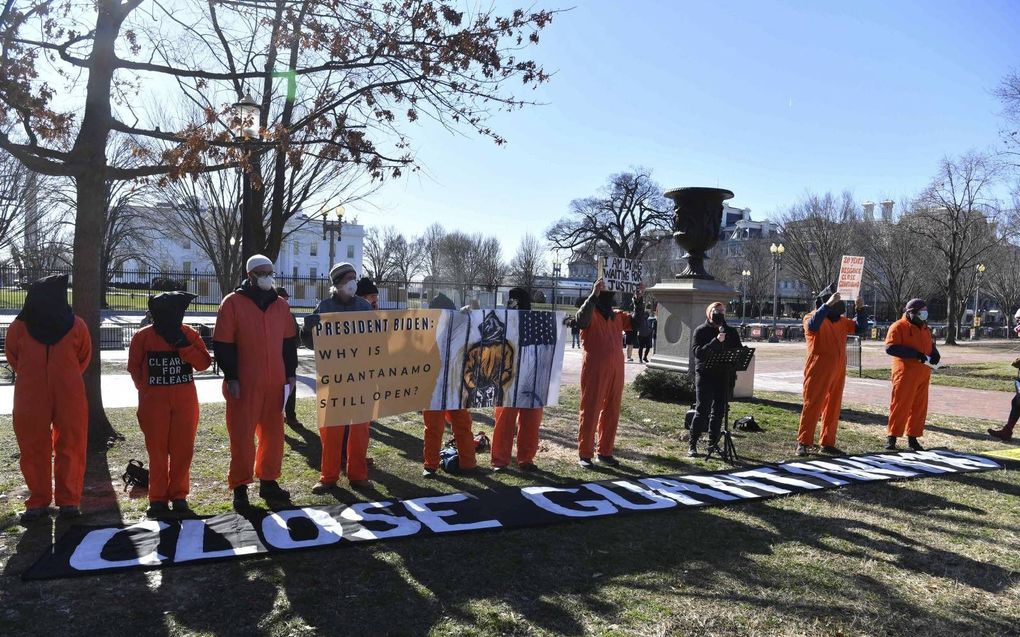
601,383
333,456
824,377
259,337
167,408
51,413
910,378
524,421
435,425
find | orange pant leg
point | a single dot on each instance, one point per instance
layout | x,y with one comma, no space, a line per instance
269,453
919,408
460,420
503,435
32,429
435,425
899,406
529,422
183,427
70,442
609,419
332,440
241,430
154,419
817,380
357,451
593,388
833,407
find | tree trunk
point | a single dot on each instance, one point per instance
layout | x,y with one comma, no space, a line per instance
952,312
87,288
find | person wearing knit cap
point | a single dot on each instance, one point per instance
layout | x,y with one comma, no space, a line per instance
524,422
436,419
162,359
344,447
826,330
48,347
368,291
911,345
256,347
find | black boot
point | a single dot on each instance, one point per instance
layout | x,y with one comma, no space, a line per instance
692,448
890,444
914,444
241,498
271,490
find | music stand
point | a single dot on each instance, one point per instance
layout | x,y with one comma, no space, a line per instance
732,361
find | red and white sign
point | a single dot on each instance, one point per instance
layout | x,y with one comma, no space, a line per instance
851,273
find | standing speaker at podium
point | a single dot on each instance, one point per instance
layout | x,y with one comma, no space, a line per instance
712,387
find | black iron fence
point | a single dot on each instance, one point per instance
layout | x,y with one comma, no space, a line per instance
129,291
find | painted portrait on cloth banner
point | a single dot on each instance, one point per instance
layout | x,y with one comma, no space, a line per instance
375,364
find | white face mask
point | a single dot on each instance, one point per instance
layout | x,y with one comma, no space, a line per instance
923,315
350,288
266,282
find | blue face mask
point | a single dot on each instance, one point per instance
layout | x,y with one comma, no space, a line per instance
922,315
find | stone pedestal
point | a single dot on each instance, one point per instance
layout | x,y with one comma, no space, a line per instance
682,306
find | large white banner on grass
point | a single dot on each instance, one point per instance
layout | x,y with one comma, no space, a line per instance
375,364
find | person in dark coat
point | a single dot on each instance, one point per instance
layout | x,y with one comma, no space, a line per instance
712,387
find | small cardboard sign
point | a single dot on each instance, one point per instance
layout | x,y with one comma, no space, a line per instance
620,275
851,274
167,368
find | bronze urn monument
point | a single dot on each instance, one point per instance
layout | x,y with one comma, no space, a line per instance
697,222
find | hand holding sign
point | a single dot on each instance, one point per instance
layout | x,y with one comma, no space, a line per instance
599,287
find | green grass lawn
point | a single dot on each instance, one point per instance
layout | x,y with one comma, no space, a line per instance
934,556
991,375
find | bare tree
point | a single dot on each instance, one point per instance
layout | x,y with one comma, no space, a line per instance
627,216
432,251
960,222
22,197
891,252
1008,93
407,258
816,234
489,261
526,266
1002,281
379,245
203,209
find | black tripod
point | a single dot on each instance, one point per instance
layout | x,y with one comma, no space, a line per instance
729,361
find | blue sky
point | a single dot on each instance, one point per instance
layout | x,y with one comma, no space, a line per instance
768,99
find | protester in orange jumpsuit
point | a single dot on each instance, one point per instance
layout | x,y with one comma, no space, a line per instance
826,330
911,345
256,347
601,375
48,348
162,360
435,423
522,421
344,447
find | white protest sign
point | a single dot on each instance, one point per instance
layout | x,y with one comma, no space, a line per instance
851,273
620,275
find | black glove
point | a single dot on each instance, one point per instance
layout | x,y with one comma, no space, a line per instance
182,340
311,321
921,357
934,359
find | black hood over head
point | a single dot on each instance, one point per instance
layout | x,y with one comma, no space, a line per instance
605,302
47,313
442,302
167,310
521,296
492,329
837,310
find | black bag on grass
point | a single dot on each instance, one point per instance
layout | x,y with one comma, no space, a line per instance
136,475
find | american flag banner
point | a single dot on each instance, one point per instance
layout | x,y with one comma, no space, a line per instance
539,360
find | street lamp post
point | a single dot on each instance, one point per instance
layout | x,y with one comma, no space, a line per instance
744,274
335,230
247,111
777,257
556,279
977,286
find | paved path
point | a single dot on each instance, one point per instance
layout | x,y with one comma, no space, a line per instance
779,368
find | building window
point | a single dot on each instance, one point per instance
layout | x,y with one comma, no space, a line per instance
186,244
315,249
297,248
350,252
311,272
187,267
296,275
